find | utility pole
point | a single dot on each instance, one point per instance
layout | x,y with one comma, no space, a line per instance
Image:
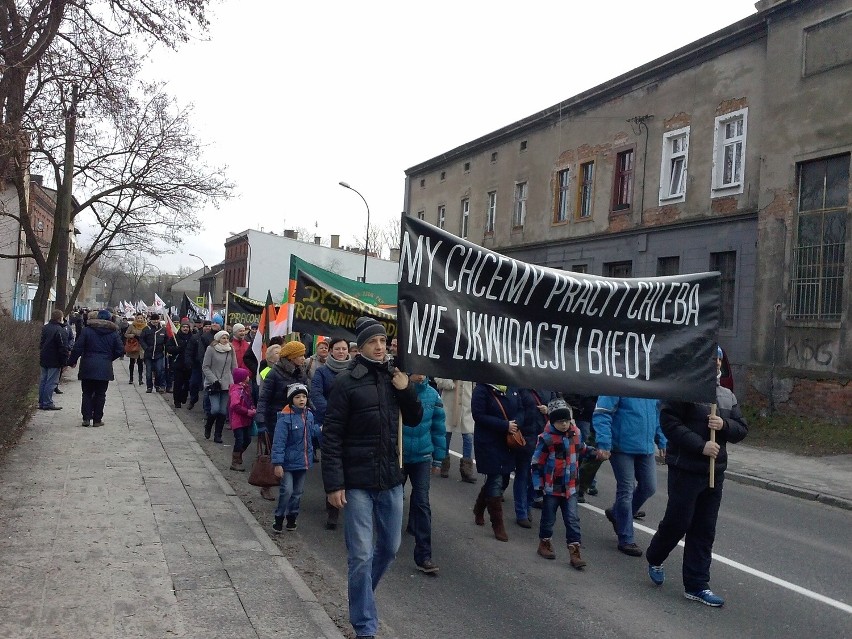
65,202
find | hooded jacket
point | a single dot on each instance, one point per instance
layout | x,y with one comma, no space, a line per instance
292,446
96,348
627,425
54,345
426,441
359,434
273,391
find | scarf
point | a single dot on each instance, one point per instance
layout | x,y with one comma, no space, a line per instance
222,348
337,365
139,325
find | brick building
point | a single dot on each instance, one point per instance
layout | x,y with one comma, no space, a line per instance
729,154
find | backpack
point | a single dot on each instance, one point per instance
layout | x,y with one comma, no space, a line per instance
131,346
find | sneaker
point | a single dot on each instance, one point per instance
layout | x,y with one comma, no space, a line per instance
639,514
706,597
51,407
278,526
657,574
574,553
57,391
150,390
630,549
98,423
291,523
611,516
85,423
141,382
545,549
427,567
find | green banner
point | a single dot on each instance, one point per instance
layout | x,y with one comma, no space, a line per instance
381,295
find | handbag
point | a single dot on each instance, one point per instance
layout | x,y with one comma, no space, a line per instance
216,386
513,440
131,346
262,471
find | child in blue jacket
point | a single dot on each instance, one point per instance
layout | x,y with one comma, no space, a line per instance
292,454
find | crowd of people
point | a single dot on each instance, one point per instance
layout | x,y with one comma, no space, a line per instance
375,428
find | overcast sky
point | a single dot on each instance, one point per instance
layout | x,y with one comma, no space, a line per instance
301,95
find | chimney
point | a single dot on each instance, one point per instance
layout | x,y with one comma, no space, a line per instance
335,241
291,234
317,240
394,255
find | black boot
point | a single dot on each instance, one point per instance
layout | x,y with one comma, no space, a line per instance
208,426
220,424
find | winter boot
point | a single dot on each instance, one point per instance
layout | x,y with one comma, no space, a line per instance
220,424
208,426
237,462
545,549
291,522
479,508
574,552
495,511
466,470
445,467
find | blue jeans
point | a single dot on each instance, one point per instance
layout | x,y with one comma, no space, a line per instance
368,559
467,444
569,517
157,369
242,439
290,494
635,482
195,380
495,485
218,402
46,385
206,402
419,511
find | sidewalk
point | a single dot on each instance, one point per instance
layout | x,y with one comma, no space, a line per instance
128,530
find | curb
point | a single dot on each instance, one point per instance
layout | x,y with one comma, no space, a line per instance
786,489
303,592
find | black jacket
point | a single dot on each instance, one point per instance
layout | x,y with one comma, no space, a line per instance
96,348
685,426
359,434
176,348
273,391
194,355
153,340
54,345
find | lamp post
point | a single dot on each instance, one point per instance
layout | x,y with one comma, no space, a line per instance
204,264
367,237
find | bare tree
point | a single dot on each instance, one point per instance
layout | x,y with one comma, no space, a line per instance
29,31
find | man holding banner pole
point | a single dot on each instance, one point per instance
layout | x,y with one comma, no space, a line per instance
693,505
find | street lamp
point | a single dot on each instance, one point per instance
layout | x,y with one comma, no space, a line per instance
202,261
367,237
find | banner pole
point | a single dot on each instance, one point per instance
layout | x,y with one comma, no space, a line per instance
399,439
712,459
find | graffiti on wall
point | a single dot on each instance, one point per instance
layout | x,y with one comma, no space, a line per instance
809,353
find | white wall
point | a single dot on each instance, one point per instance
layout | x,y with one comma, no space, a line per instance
269,263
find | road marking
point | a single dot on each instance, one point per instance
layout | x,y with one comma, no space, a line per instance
751,571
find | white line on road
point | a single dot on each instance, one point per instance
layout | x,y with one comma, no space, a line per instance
751,571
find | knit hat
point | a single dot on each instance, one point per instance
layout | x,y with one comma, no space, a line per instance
292,349
220,334
154,317
237,327
240,375
559,409
184,320
104,314
365,328
296,389
217,319
254,326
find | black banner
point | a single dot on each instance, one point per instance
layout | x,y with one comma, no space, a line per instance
320,309
469,313
189,309
243,310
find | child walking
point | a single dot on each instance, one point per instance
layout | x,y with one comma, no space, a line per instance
555,465
292,454
241,412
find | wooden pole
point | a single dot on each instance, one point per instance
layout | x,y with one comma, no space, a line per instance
399,439
712,459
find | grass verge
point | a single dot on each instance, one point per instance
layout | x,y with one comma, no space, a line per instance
804,436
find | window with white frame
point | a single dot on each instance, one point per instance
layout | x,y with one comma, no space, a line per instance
673,169
465,217
585,190
562,202
442,216
729,145
491,214
519,212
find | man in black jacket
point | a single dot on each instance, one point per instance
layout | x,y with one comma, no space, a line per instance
361,425
194,358
53,355
693,505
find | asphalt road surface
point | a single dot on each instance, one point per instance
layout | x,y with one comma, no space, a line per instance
783,564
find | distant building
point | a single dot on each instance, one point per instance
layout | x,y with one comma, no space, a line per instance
731,154
256,262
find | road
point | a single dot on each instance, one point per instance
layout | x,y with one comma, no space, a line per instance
784,567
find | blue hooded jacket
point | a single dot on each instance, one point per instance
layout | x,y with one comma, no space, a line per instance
428,440
627,425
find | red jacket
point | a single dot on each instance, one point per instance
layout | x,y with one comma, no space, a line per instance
240,347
